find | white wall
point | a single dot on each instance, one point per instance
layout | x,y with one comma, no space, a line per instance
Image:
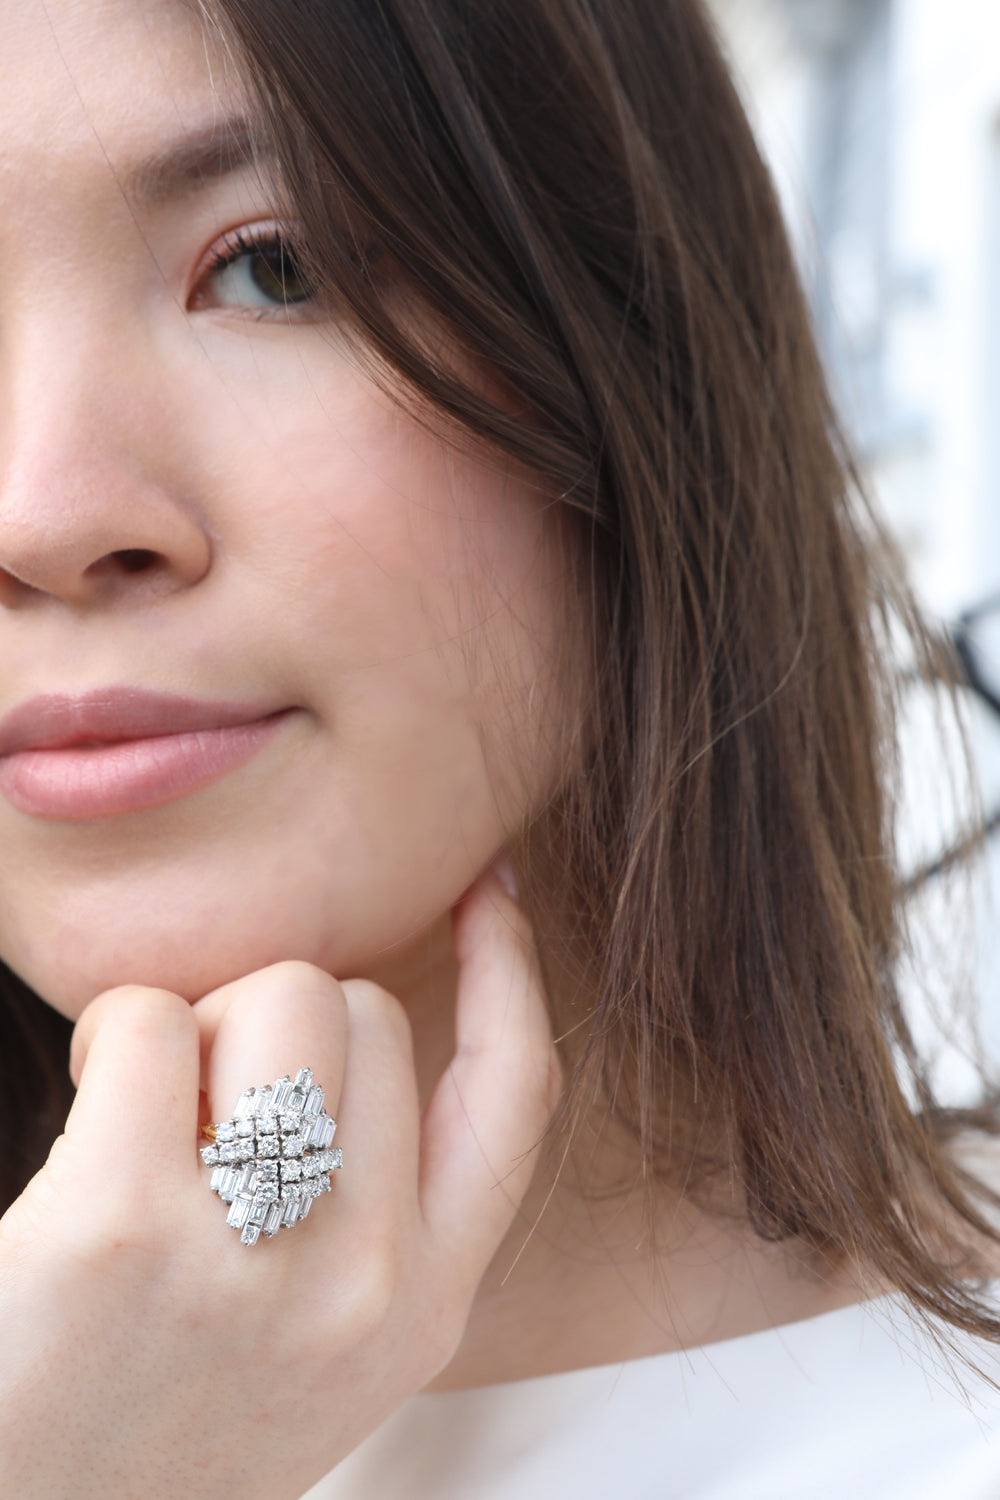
881,120
909,238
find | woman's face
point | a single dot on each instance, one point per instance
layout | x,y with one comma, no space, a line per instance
201,495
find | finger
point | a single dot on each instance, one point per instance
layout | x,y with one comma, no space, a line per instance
491,1107
271,1023
134,1057
380,1110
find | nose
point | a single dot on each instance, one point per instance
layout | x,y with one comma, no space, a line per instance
90,511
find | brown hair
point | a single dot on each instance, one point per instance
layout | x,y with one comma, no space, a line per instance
571,188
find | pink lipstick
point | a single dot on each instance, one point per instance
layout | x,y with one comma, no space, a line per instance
119,750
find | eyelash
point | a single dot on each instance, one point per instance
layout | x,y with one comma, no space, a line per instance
367,256
249,242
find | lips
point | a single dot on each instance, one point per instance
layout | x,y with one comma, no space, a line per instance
123,749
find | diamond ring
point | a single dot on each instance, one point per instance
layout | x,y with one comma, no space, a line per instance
273,1157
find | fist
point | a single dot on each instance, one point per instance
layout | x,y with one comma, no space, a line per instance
145,1351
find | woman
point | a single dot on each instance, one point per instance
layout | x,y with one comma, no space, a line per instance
416,468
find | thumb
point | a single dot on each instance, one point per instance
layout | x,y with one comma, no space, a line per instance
489,1111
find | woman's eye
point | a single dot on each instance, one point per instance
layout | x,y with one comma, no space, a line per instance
260,273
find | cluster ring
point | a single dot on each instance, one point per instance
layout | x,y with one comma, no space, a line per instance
273,1157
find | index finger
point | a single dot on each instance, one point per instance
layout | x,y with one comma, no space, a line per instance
134,1057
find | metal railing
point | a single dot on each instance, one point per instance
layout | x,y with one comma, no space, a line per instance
968,663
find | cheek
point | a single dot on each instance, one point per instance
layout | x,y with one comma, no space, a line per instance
426,590
414,602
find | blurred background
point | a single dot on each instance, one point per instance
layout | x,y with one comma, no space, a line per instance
881,122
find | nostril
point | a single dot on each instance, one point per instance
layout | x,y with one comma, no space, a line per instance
135,559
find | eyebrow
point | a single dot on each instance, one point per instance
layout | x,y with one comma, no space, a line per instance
194,161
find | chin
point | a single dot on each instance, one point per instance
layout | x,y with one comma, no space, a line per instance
188,941
198,941
190,968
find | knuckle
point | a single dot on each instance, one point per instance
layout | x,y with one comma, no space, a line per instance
126,999
442,1332
296,980
113,1245
152,1015
369,1003
135,1010
371,1293
159,1007
133,1006
297,974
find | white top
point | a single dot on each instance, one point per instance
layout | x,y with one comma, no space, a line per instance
854,1405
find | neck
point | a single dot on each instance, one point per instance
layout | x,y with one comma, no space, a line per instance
599,1267
590,1276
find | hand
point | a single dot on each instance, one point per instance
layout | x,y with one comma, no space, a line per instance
144,1351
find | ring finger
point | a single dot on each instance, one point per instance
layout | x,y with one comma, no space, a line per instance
263,1027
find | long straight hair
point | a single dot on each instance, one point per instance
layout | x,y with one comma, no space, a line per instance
570,192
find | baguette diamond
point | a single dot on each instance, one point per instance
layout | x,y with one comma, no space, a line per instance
281,1125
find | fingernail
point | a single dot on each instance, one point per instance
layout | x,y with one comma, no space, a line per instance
503,869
